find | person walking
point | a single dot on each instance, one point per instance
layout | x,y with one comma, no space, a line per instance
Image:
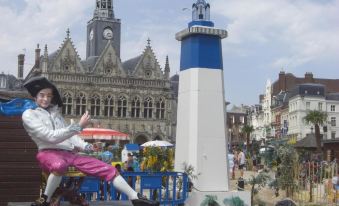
58,144
241,161
235,163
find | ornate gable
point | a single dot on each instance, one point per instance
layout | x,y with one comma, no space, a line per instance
109,63
148,66
66,59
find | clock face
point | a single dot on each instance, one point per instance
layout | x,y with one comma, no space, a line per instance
108,33
91,34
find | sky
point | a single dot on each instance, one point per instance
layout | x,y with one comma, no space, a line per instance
264,36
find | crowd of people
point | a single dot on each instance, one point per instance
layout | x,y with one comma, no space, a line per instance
237,160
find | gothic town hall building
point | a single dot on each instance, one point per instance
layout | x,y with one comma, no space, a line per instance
133,96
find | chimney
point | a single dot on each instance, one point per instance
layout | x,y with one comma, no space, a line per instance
21,62
309,77
282,81
37,57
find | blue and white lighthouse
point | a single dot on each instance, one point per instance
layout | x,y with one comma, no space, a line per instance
201,131
201,139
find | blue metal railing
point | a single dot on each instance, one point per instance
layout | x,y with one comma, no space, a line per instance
169,188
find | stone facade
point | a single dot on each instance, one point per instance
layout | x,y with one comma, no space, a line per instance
236,120
134,96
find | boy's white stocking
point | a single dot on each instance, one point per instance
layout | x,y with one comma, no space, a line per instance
120,184
53,183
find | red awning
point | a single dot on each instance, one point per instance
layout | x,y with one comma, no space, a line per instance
103,134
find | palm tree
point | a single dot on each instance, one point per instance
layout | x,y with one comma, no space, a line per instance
247,129
257,183
316,118
210,200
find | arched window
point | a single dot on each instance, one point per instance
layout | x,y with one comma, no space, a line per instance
95,105
201,15
148,108
103,4
109,106
122,106
160,109
136,107
109,4
67,107
80,104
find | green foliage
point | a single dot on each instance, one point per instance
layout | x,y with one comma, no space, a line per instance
234,201
286,169
157,159
255,146
268,157
210,200
257,183
189,170
316,117
247,129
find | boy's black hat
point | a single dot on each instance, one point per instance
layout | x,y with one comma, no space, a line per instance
35,84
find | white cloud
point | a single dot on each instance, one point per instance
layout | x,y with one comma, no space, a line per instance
301,30
264,35
40,21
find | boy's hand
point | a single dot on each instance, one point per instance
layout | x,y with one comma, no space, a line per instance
85,120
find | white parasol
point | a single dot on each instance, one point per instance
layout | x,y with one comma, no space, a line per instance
157,143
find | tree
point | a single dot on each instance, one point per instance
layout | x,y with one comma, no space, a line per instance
286,173
210,200
234,201
316,118
257,183
247,129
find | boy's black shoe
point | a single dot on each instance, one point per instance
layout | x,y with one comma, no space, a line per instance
143,201
42,201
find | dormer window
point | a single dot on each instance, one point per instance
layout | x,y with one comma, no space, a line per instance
148,73
108,71
66,68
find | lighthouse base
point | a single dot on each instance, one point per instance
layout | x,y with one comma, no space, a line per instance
196,198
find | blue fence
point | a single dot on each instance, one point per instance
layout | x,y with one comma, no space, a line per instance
169,188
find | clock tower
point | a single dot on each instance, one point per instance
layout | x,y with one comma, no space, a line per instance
102,28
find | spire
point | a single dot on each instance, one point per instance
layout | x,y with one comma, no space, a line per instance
67,33
45,60
37,57
104,9
148,42
201,11
21,62
167,68
45,52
